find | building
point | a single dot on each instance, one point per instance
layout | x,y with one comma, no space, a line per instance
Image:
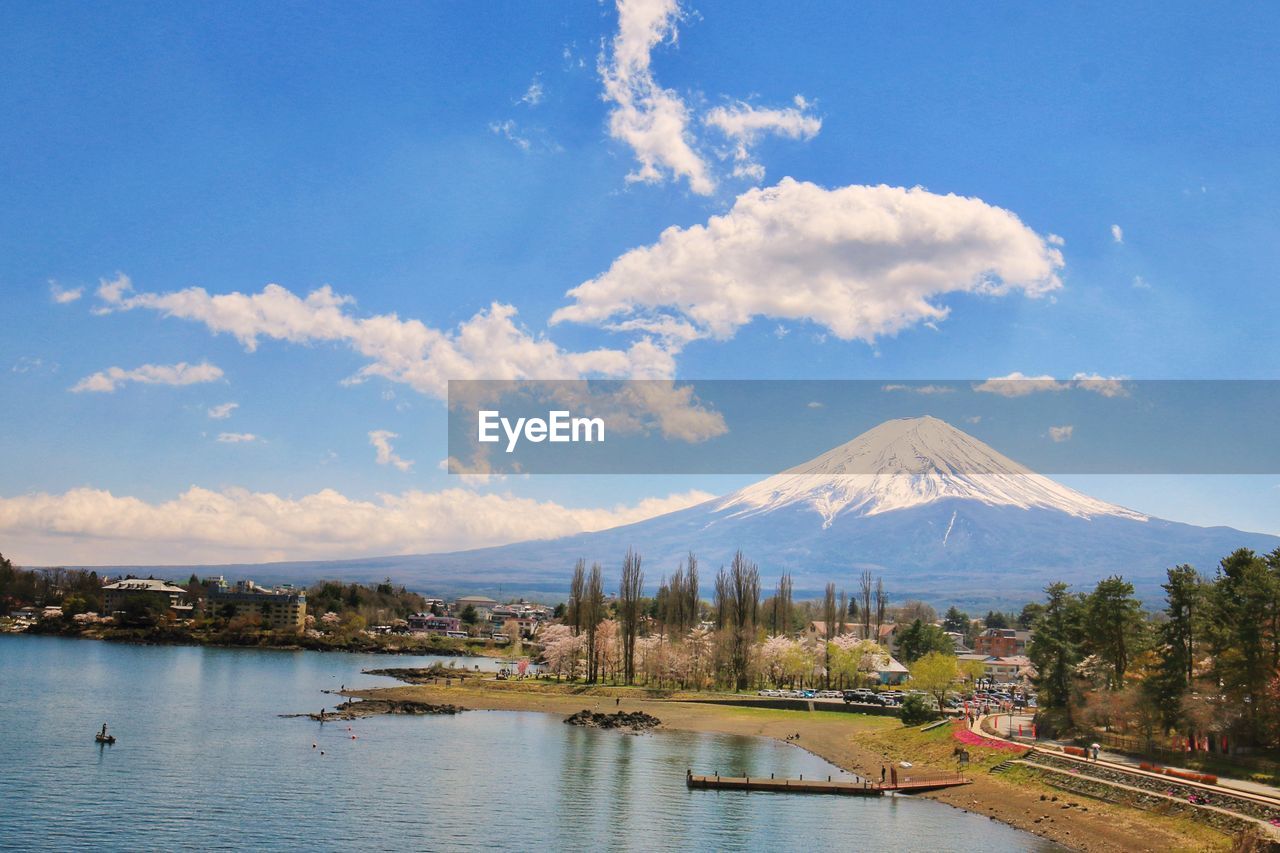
161,593
891,672
1003,670
1002,642
429,623
482,606
279,607
817,630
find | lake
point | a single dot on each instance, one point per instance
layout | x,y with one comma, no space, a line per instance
203,761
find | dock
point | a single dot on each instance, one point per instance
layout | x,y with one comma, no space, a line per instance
903,783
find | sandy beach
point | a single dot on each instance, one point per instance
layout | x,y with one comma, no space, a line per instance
857,743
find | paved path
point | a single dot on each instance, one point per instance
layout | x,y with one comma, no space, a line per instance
1006,726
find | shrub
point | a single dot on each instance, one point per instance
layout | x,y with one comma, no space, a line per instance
916,709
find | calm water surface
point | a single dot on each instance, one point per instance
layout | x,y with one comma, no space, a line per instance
204,762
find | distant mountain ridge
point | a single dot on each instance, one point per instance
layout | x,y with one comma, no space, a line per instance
938,513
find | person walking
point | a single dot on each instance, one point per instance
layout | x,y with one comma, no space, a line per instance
882,774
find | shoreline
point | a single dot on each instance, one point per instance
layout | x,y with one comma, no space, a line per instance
855,743
127,637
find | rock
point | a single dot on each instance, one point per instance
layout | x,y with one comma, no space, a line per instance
636,721
373,707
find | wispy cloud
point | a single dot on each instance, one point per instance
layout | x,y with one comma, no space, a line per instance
1061,433
223,411
509,131
1117,233
533,95
107,381
237,437
657,124
920,389
380,439
743,125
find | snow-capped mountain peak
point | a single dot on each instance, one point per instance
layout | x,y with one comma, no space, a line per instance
911,462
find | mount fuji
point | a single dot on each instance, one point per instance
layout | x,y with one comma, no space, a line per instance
936,512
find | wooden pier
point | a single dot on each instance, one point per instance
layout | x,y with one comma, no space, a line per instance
903,783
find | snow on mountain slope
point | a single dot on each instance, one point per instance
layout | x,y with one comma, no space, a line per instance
906,463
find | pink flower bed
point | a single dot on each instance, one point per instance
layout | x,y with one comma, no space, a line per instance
965,736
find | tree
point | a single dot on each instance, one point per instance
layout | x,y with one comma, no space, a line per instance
592,616
1030,613
955,620
577,592
1243,604
882,605
1184,593
916,710
1114,626
920,639
913,610
737,609
935,673
469,615
864,590
629,593
1055,649
780,607
996,619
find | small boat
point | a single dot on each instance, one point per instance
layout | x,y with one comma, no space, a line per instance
101,738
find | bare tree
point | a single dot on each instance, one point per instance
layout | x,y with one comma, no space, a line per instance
693,605
829,627
593,615
844,609
882,605
629,593
780,611
737,609
577,589
865,588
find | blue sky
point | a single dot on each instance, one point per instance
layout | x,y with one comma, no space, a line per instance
429,161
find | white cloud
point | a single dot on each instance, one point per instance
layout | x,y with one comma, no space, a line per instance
237,437
861,261
63,295
490,345
534,94
920,389
652,120
814,404
1017,384
222,411
1141,283
1117,233
380,439
744,124
1061,433
93,526
107,381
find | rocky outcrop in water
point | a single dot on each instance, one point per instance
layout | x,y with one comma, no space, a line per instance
635,721
373,707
